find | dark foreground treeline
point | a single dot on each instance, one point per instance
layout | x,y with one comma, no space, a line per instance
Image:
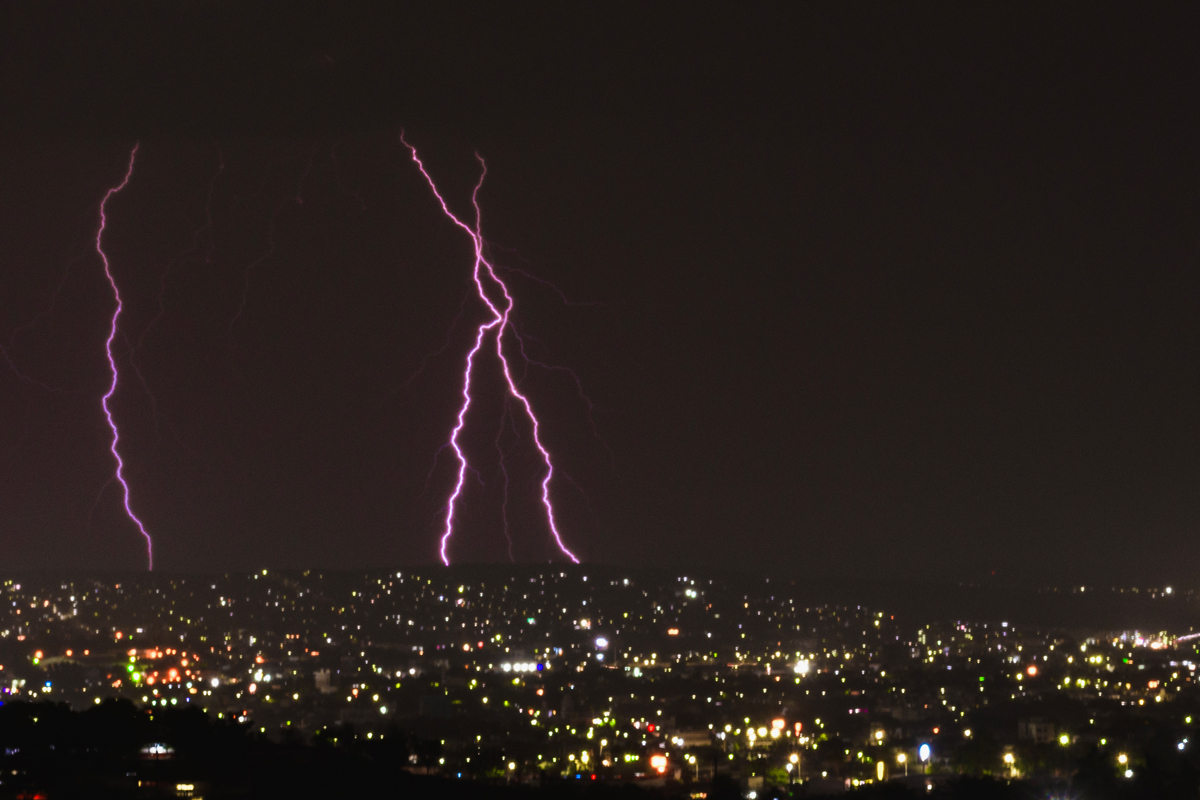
48,751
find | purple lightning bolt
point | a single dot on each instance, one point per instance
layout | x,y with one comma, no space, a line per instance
498,324
112,334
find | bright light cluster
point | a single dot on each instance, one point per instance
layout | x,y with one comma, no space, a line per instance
522,666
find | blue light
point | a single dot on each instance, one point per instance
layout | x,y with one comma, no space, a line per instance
541,667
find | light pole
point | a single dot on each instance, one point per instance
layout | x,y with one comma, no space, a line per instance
903,759
794,760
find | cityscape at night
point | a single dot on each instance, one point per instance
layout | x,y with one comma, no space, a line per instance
529,675
599,401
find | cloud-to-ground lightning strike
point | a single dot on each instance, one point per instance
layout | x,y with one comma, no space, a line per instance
112,363
497,325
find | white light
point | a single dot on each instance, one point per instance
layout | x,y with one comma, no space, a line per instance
802,667
601,642
1128,773
215,682
923,752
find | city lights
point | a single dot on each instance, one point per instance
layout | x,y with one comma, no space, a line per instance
389,646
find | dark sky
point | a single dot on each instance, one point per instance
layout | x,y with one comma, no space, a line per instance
855,290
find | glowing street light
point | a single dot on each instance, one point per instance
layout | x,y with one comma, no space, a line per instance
903,759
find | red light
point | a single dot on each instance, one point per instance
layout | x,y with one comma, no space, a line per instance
650,727
935,730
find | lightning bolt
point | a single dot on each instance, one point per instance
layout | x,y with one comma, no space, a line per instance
496,326
504,471
296,199
192,251
108,345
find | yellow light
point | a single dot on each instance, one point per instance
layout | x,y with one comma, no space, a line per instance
1009,759
659,763
902,758
1064,740
1122,759
793,758
879,770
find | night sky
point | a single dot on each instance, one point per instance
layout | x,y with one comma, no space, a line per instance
858,290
